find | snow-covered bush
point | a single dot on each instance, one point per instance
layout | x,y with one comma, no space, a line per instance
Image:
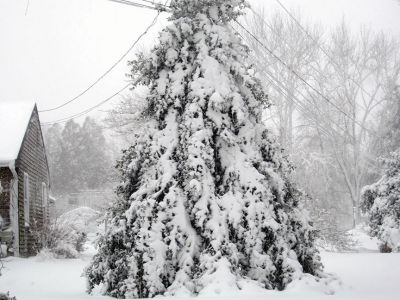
64,241
205,197
381,202
6,297
66,236
330,236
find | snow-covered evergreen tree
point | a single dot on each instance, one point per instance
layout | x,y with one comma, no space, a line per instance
205,195
381,201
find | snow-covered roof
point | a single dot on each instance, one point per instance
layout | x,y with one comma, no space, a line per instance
14,120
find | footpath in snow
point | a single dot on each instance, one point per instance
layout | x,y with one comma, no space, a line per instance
367,275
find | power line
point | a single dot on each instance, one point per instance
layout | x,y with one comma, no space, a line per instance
134,4
296,101
155,3
155,6
86,111
301,78
306,113
284,40
281,89
319,72
108,70
335,64
293,98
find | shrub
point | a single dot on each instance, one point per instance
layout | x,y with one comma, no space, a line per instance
6,297
66,236
381,202
64,241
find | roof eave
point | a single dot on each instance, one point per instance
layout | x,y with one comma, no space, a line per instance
4,163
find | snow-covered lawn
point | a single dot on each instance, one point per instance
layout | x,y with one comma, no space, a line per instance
45,278
367,276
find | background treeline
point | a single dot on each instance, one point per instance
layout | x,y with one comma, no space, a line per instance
79,156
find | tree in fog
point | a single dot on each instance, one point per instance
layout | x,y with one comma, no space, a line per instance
95,161
361,68
68,162
79,157
332,124
299,53
388,132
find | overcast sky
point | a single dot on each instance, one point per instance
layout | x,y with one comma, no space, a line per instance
60,47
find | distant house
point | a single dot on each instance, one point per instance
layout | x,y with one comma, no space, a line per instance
24,177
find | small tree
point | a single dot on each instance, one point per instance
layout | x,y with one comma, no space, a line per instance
381,201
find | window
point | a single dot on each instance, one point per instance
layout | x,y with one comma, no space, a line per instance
26,199
44,194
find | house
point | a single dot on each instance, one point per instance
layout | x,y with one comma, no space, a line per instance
24,178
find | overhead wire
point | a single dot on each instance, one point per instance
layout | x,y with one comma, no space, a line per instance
335,64
157,3
280,88
275,33
301,78
271,28
296,101
134,4
86,111
152,24
107,71
318,71
154,6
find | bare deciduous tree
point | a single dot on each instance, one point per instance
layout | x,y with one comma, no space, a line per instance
326,96
299,53
361,68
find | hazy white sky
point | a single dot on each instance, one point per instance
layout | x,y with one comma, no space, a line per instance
60,47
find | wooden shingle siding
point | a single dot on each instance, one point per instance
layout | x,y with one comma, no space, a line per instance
31,160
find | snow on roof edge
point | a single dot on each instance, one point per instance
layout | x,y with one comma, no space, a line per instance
14,121
4,163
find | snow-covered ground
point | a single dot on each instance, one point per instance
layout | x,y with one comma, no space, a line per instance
366,275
